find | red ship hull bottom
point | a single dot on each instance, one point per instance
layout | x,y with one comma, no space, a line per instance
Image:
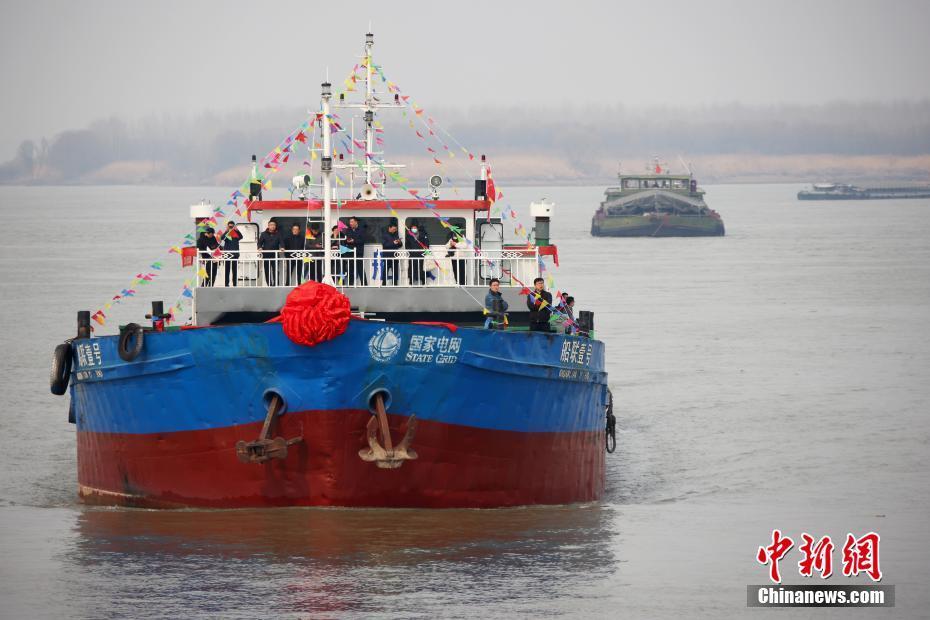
457,466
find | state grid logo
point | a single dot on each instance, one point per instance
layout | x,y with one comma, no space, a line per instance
384,345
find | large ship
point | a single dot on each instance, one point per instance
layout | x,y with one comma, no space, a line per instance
655,204
844,191
330,375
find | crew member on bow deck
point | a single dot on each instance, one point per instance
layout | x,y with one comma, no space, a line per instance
539,302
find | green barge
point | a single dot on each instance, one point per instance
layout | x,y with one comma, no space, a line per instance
656,204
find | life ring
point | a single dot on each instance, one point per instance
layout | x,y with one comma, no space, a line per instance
61,369
130,342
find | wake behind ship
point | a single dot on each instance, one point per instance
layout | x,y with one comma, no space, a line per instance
361,367
655,204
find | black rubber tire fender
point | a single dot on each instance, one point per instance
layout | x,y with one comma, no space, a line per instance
61,369
130,343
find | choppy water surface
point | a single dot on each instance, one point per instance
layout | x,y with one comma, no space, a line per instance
776,377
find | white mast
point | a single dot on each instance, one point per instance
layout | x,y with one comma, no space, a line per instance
352,170
369,105
326,167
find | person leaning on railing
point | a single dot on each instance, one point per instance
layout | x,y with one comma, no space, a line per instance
230,239
269,243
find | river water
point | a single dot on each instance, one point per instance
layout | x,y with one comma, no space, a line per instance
773,378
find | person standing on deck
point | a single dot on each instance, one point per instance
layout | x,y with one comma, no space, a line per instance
355,241
255,182
390,243
314,269
457,248
269,243
570,326
294,243
539,302
495,306
339,265
231,239
416,240
207,244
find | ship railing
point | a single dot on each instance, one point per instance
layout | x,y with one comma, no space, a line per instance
398,268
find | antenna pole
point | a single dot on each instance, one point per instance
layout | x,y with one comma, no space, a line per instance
369,105
352,170
326,167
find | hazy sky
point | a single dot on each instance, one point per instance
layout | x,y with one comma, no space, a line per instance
64,64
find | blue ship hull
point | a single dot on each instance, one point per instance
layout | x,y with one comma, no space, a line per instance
503,418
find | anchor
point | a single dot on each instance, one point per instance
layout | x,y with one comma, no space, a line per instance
264,449
387,456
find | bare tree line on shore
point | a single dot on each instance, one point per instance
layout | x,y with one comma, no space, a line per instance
585,143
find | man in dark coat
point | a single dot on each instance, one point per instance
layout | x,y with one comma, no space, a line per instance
415,241
495,306
207,244
539,302
390,243
355,241
315,245
269,243
230,240
294,243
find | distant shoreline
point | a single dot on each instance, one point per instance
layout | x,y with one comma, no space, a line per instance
533,169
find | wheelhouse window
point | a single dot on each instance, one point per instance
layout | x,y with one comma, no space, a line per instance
630,183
